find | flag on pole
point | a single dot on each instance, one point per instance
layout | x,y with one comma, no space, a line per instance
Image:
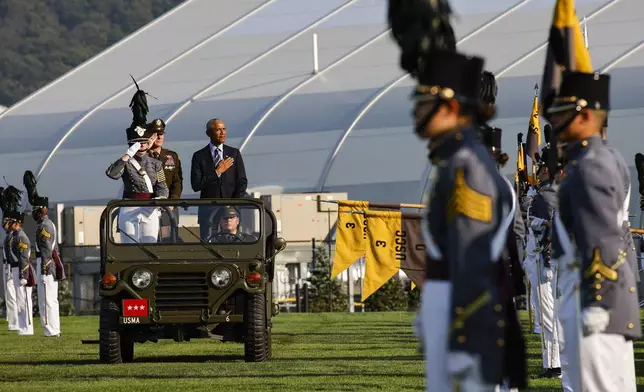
411,249
349,237
381,262
533,141
520,160
566,50
394,242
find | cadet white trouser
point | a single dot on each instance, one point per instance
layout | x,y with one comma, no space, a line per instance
569,329
24,305
48,303
550,350
434,316
10,298
140,223
607,364
531,271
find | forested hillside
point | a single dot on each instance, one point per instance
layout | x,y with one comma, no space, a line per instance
40,40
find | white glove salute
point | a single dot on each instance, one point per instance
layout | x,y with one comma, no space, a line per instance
23,282
134,148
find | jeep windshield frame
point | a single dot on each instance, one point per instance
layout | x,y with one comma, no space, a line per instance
113,251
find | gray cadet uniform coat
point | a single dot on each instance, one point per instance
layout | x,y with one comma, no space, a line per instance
628,237
46,242
21,250
469,203
591,203
134,182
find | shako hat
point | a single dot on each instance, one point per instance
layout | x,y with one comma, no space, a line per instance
449,75
10,203
138,130
580,90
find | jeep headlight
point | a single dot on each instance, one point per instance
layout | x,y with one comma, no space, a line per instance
141,278
221,277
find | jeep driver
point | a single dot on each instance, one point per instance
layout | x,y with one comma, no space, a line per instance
227,228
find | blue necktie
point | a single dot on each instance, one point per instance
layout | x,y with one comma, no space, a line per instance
217,156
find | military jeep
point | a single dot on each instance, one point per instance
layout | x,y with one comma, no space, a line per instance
205,271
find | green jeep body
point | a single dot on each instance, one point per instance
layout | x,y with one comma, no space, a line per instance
181,299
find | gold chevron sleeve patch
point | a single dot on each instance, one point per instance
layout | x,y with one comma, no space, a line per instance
468,202
22,245
597,266
45,233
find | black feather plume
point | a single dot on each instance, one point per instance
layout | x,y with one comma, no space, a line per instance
12,198
419,26
639,165
520,138
29,181
139,106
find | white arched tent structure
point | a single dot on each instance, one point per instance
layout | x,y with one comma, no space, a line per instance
345,127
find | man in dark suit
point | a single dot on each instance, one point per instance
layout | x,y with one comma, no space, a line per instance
217,172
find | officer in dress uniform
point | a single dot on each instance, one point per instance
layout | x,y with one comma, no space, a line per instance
172,170
23,276
9,287
541,212
588,227
143,178
46,250
471,333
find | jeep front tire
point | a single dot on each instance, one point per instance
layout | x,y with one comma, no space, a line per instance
256,336
113,347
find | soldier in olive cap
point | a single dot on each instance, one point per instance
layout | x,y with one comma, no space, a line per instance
228,229
172,170
590,212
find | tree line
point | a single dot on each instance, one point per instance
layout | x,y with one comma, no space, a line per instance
43,39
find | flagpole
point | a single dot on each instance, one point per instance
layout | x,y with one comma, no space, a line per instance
585,32
534,165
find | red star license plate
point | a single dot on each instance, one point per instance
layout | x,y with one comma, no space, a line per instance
135,308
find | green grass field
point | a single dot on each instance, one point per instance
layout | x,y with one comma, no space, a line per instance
311,352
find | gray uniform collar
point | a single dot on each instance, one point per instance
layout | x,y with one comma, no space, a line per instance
575,150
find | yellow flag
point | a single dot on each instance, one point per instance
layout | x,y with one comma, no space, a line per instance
534,131
566,18
413,285
350,237
566,50
520,162
381,261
